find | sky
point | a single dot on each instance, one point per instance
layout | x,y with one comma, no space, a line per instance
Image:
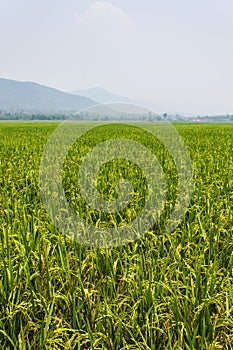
177,54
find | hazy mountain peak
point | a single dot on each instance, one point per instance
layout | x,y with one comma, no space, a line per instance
101,95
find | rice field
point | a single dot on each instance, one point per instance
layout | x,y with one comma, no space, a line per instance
162,291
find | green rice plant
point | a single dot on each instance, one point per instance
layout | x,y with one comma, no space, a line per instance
163,291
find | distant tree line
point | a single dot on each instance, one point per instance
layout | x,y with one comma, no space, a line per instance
86,116
34,116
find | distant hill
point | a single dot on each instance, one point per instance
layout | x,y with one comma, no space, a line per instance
185,108
101,95
33,97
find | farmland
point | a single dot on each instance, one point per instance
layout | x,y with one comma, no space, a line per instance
162,291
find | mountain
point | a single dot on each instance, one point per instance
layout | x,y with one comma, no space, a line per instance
103,96
34,97
185,108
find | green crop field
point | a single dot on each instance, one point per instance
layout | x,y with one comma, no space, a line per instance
162,291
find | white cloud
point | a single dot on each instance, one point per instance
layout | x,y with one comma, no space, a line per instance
104,10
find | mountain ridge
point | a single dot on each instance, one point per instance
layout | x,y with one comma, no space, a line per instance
101,95
34,97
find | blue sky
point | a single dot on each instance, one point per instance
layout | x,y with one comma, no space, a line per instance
177,54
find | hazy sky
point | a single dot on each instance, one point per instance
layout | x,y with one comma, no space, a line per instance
178,54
